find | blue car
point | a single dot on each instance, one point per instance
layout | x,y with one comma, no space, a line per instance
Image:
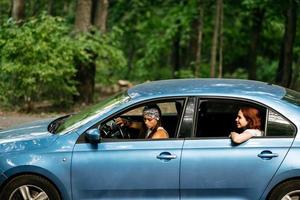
89,156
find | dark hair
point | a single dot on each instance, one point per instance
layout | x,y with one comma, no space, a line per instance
252,115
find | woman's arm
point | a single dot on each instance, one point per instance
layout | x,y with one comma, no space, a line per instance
130,124
240,138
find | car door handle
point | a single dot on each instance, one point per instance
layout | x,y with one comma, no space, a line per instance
267,155
166,156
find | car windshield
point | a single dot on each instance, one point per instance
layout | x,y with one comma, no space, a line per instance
74,121
292,97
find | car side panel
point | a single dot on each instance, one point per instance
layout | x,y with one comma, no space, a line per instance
218,169
289,169
52,163
126,170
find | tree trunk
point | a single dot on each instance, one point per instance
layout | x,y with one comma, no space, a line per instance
85,76
257,21
296,75
85,70
67,8
176,55
83,16
18,10
130,57
284,70
214,44
199,40
221,42
100,16
51,10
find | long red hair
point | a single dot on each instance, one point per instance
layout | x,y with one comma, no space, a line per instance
252,116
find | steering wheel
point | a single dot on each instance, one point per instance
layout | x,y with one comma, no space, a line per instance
121,129
112,130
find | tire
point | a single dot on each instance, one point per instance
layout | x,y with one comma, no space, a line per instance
30,186
289,190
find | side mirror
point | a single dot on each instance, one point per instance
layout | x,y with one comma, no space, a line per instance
93,135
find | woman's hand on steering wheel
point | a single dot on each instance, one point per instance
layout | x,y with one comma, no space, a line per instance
121,121
120,124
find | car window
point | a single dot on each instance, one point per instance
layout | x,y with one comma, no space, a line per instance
216,117
278,125
167,108
133,125
292,97
72,122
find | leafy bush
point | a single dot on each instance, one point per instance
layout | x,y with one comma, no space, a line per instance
266,70
36,62
239,73
111,62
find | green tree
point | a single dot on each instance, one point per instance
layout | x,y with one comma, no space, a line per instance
36,62
284,71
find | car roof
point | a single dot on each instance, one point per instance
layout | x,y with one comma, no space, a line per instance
207,87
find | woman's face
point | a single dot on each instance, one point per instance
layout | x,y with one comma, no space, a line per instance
241,121
150,122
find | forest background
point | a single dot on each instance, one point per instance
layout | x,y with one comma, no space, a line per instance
56,52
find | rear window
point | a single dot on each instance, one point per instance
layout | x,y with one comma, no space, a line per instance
279,126
292,97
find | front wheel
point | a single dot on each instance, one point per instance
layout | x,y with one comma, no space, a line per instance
289,190
29,187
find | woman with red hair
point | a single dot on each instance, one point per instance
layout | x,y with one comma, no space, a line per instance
247,119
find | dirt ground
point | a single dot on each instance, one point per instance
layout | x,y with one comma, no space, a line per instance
8,119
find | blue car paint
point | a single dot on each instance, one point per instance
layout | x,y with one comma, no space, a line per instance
192,87
25,132
113,164
32,149
53,162
289,168
214,159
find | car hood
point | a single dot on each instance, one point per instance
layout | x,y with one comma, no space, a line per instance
26,137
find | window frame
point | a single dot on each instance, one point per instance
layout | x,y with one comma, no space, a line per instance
286,119
135,105
267,108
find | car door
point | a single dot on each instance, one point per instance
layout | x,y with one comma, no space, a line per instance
215,168
127,170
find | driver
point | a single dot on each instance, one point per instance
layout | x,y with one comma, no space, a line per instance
152,121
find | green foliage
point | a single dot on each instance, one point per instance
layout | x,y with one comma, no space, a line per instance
38,59
239,73
104,49
185,73
267,69
111,61
150,27
4,10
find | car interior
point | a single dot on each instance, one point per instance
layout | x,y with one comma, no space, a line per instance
171,113
216,118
